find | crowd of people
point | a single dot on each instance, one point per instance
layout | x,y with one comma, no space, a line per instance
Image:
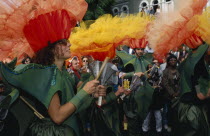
151,11
150,104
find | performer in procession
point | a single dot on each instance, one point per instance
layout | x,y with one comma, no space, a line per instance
100,45
46,82
137,109
195,83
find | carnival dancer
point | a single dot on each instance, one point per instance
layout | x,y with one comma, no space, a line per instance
46,83
139,106
100,44
195,83
106,33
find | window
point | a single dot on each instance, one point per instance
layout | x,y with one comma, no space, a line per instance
115,11
144,4
155,5
155,2
125,9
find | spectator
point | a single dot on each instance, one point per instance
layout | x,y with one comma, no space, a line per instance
85,64
26,60
183,54
151,11
170,84
147,10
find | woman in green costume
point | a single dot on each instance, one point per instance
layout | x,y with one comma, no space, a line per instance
47,85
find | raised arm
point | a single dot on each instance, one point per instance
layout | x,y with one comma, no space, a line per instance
59,113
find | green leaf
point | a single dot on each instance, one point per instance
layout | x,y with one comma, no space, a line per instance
97,8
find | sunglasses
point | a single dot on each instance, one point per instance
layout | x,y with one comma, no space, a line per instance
85,60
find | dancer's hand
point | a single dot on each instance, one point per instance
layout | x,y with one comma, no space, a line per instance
91,86
100,91
120,91
139,74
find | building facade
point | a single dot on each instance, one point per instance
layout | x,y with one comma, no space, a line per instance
135,6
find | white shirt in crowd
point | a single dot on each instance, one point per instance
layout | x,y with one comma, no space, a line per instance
148,50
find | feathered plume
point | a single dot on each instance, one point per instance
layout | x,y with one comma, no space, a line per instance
171,30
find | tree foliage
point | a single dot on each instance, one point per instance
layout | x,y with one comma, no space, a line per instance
97,8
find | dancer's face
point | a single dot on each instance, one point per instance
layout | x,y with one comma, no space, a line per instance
139,52
63,50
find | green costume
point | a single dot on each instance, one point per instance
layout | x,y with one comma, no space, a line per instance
192,118
105,120
42,82
139,64
137,103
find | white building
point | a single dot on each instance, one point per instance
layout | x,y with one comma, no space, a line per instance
135,6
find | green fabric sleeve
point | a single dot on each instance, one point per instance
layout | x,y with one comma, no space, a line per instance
14,95
148,57
9,99
88,99
197,88
12,63
130,74
110,97
85,104
186,68
77,100
125,57
203,85
34,79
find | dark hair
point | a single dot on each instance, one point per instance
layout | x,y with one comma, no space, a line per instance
88,57
23,61
116,59
75,58
169,58
148,66
45,56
